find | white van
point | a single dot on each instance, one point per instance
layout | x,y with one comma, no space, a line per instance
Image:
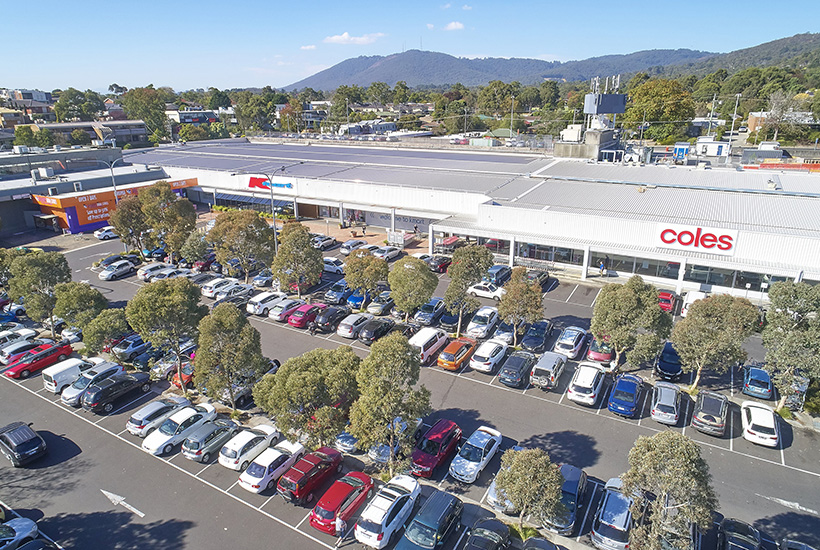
262,303
428,341
58,377
10,336
691,297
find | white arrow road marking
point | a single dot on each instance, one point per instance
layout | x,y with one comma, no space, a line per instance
788,504
117,499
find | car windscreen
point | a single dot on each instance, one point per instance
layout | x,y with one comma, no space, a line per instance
169,427
600,347
428,446
81,383
421,535
470,452
338,287
428,308
481,319
670,357
447,357
537,331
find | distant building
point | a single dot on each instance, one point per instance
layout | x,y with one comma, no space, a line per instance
118,132
192,117
367,127
114,111
33,110
36,95
9,118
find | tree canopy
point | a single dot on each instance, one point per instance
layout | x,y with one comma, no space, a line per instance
76,105
244,236
522,301
34,277
529,480
171,217
365,271
470,264
297,262
129,222
78,303
108,324
412,284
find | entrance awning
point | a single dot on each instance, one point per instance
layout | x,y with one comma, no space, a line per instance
250,200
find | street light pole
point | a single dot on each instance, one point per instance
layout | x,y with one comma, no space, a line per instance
270,188
113,181
732,131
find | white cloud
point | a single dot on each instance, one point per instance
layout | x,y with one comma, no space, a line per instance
430,26
345,38
466,7
308,47
446,6
454,26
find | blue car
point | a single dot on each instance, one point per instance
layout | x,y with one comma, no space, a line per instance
430,313
338,293
757,383
625,395
358,299
157,253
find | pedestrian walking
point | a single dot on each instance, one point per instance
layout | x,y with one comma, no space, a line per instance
364,230
312,328
341,526
603,268
416,229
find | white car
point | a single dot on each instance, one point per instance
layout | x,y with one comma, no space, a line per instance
352,324
105,233
486,290
261,303
475,454
121,268
386,514
245,446
666,403
571,342
483,323
147,271
169,273
238,289
323,242
586,384
489,356
282,310
333,265
387,253
152,415
759,424
265,470
177,428
212,288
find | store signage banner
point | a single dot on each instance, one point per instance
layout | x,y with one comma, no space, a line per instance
696,238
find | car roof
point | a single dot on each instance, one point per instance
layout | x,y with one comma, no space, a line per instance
572,476
440,428
758,373
585,374
183,414
481,436
761,414
18,432
149,408
615,510
489,345
666,393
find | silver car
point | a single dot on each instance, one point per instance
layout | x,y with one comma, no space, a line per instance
666,403
104,369
152,415
121,268
208,439
352,324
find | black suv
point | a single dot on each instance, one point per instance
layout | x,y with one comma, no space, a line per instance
435,521
329,319
102,395
20,444
515,372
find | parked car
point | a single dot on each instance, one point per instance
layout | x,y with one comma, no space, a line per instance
375,329
757,382
498,275
626,395
36,359
309,473
245,446
284,309
759,424
358,299
351,245
601,351
305,315
328,319
73,394
212,288
333,265
177,427
487,290
387,253
147,271
734,534
429,313
504,332
262,302
237,289
130,347
667,301
547,371
208,439
666,403
483,322
437,445
515,372
496,499
205,264
240,302
102,396
538,543
108,260
341,501
690,298
541,278
16,532
187,379
168,273
263,278
15,350
323,242
475,454
439,517
613,520
20,444
452,321
488,356
571,342
572,496
166,366
710,413
9,337
105,233
338,293
456,354
380,453
388,512
152,415
243,387
265,470
667,364
587,384
352,324
121,268
381,304
535,339
488,534
408,330
439,264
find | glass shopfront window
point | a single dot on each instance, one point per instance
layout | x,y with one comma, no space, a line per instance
550,253
496,246
612,262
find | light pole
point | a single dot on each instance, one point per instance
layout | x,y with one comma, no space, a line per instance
512,107
113,181
270,188
732,131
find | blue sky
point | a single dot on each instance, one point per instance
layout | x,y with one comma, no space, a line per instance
244,43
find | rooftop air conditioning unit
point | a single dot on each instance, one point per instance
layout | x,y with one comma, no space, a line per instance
35,175
52,191
78,186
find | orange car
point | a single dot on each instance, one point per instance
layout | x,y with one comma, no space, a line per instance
187,376
456,353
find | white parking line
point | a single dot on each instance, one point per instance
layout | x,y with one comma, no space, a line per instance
586,514
205,468
730,432
275,494
49,539
303,520
596,297
732,386
458,542
782,454
487,492
685,414
571,293
643,404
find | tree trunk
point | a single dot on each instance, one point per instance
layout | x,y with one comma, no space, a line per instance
458,326
617,367
782,402
521,517
182,385
697,379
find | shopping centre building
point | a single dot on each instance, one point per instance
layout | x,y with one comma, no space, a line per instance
683,227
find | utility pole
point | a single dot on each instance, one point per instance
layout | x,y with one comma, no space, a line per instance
512,107
711,114
465,119
732,131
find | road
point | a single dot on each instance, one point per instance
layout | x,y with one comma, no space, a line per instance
775,489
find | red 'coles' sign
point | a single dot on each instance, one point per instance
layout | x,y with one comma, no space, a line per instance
695,238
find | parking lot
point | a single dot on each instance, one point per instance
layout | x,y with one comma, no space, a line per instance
187,502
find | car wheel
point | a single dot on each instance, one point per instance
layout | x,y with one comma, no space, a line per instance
244,466
206,457
496,298
189,385
170,375
108,407
271,485
149,432
146,387
167,449
264,313
473,294
25,374
339,468
132,357
62,357
309,498
240,402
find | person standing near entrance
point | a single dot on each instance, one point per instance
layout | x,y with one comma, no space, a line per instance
603,268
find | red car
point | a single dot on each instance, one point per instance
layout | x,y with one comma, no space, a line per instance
305,315
297,484
667,301
205,265
342,500
187,376
39,358
111,342
436,447
600,351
